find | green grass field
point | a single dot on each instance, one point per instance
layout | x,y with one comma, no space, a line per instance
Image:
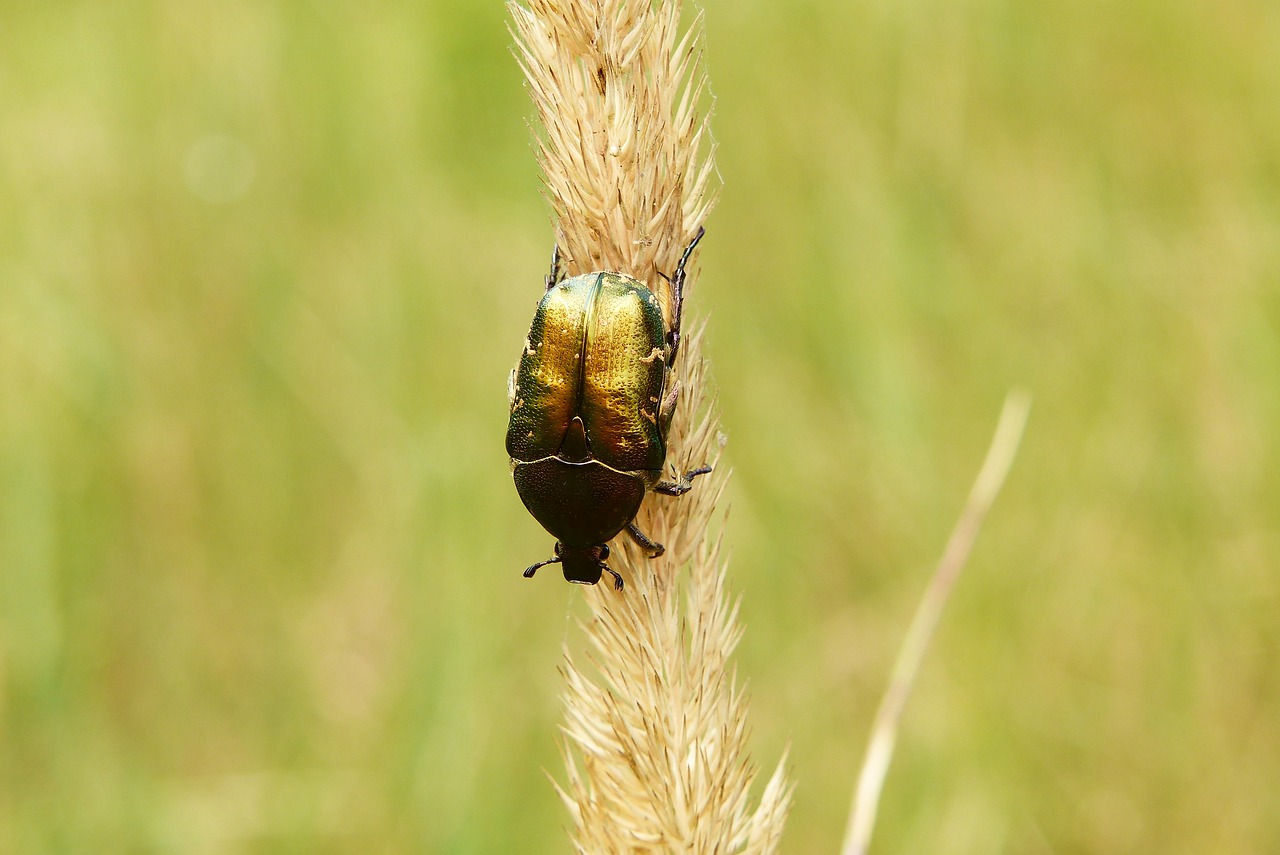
264,267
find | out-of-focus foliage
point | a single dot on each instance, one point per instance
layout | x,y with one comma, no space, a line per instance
264,267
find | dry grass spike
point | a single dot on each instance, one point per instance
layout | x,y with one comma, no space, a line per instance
655,732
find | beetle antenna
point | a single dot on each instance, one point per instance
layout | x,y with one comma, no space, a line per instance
529,571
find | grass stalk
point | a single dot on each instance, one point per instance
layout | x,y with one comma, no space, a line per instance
884,731
655,723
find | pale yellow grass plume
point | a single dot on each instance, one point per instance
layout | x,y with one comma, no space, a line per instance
621,149
656,730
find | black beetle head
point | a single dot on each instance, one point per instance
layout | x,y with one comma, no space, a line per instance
582,564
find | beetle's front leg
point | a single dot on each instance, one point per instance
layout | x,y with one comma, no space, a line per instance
617,580
684,485
529,571
655,548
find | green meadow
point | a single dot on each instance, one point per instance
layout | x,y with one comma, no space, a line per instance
265,266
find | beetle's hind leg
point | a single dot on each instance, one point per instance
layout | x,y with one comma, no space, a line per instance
677,295
684,485
655,548
529,571
553,278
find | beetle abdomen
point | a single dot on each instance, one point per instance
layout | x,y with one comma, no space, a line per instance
581,504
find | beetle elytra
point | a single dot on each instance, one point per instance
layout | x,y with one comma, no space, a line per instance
592,400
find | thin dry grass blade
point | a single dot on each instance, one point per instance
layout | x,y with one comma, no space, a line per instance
884,732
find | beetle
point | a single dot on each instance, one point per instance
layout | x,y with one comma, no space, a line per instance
591,405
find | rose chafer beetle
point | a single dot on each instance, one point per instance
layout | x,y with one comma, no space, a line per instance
591,405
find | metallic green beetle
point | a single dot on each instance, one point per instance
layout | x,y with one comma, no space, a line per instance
591,405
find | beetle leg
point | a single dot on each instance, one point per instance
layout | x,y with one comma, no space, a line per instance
677,292
529,571
684,485
617,580
655,548
553,278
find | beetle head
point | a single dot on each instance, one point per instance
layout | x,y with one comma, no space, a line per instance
582,564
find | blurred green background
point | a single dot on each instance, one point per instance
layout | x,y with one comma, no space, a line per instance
264,267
